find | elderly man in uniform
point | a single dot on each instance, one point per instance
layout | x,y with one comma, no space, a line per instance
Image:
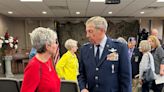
104,65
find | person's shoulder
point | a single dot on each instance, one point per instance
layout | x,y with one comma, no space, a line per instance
159,49
117,44
115,41
33,64
86,44
67,54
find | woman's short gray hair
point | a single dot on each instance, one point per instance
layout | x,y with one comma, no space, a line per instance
98,22
145,45
70,43
41,36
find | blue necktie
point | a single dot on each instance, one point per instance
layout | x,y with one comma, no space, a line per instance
97,53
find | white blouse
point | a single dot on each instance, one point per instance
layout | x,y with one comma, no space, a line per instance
144,64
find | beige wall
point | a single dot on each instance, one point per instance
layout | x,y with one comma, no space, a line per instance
144,23
4,24
21,27
158,24
153,23
15,28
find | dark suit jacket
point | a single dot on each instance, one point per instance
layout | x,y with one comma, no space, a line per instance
135,61
107,75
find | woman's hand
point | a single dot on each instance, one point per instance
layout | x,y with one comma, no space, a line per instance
161,70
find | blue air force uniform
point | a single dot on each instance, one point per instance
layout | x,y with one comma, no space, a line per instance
107,75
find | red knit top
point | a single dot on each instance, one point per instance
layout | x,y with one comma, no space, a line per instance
41,77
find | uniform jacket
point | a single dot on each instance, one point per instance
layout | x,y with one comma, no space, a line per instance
106,75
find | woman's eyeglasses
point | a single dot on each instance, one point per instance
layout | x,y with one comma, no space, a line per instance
56,41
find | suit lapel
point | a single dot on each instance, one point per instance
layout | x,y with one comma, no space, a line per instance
108,45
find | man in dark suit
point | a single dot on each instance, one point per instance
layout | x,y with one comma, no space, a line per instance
135,57
103,65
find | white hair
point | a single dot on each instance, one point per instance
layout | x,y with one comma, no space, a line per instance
42,36
98,22
70,43
145,45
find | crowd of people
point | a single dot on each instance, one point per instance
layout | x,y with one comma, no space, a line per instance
104,64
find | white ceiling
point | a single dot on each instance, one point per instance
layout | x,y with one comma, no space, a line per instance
67,8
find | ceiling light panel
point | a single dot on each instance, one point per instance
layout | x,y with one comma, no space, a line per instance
109,12
97,0
77,13
142,12
31,0
44,12
160,0
10,12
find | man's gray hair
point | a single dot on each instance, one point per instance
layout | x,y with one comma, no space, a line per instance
98,22
42,36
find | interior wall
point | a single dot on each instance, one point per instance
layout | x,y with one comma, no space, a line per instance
21,28
117,28
4,24
144,24
158,24
123,28
149,24
69,30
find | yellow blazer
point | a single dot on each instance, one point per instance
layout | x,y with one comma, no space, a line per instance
67,66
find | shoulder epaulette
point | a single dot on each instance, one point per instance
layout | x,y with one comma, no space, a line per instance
86,43
115,40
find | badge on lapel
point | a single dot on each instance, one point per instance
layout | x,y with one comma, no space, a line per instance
112,56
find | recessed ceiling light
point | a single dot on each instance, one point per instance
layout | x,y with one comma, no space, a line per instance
31,0
142,12
44,12
77,13
160,1
109,12
97,0
10,12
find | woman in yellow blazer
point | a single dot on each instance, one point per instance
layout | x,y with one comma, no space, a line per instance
67,66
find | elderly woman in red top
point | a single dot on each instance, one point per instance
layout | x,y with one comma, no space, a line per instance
39,75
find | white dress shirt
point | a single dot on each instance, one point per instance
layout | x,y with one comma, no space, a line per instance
101,48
